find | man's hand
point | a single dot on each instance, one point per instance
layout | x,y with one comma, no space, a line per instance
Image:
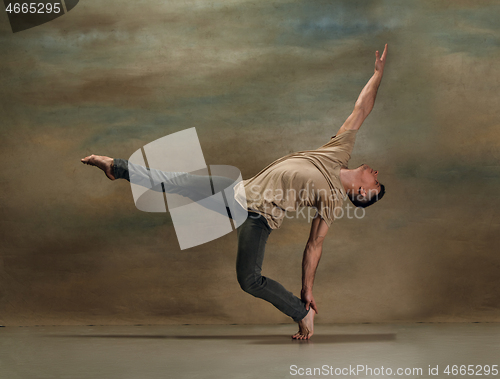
366,99
308,298
380,61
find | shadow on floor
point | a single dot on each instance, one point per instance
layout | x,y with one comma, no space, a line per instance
278,339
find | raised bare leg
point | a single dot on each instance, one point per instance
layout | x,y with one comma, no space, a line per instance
306,326
102,162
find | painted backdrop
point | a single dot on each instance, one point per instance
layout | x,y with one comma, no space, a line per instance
258,79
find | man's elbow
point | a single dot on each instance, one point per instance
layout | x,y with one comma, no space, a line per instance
362,109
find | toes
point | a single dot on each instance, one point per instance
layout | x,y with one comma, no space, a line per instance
303,334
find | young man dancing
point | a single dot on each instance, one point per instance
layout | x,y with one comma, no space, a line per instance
313,178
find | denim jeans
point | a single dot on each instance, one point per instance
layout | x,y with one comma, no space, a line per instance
194,187
252,236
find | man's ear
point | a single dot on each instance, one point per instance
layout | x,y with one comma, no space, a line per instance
362,192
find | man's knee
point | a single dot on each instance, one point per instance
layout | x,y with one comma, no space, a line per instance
251,283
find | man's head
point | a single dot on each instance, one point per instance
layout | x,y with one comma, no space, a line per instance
368,189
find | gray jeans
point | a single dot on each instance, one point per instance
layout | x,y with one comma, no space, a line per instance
194,187
252,238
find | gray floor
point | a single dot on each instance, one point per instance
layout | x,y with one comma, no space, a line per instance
196,351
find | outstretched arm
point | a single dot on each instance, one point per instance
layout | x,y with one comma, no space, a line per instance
366,99
312,254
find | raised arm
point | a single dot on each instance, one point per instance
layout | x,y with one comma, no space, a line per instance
310,260
366,99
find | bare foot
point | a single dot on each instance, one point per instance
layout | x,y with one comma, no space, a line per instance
306,326
104,163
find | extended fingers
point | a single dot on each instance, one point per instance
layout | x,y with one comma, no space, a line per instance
385,52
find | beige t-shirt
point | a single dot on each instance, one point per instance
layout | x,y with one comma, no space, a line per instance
308,178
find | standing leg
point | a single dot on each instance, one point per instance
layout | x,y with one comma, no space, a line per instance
252,238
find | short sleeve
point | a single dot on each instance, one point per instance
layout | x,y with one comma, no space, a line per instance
344,141
340,146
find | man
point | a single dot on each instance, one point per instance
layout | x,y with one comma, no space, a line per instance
314,178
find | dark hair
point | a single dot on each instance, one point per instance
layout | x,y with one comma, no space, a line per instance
362,202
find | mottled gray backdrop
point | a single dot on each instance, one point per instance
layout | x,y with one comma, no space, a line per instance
258,79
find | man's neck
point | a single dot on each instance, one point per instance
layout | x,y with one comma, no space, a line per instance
348,178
